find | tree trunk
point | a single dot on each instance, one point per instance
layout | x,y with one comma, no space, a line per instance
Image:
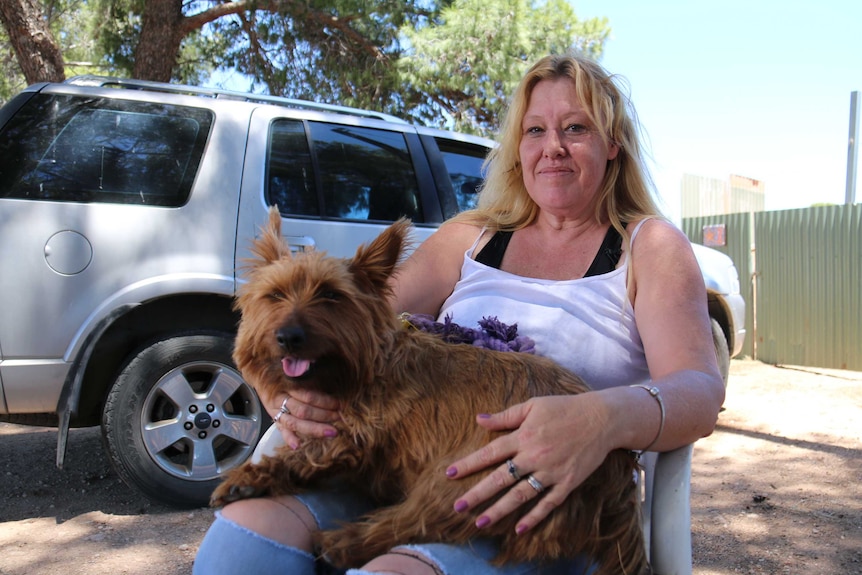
37,52
159,45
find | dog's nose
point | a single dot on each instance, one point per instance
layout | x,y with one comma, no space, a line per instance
290,337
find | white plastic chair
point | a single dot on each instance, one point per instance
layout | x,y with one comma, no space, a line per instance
666,509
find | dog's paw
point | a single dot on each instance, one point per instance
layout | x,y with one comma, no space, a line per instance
228,493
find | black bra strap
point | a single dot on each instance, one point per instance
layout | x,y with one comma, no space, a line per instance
492,254
606,259
609,254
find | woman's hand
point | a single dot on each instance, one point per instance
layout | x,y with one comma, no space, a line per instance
558,441
303,413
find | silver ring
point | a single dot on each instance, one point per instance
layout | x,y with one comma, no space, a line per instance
535,483
513,470
281,411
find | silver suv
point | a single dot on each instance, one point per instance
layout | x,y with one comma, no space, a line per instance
125,209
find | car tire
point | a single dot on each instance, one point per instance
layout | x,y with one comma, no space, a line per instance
722,352
179,416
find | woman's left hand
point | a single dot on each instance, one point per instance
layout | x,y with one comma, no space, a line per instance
557,440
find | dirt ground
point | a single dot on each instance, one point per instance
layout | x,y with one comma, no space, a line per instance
776,489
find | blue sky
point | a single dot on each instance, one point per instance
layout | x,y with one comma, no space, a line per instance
759,88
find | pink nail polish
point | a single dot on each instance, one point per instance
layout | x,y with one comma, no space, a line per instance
520,529
293,445
484,416
330,433
451,472
461,506
482,522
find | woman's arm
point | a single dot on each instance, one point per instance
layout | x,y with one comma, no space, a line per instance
424,281
670,306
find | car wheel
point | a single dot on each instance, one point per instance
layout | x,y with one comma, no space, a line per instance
722,352
179,416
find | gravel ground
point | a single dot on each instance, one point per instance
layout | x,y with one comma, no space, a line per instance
776,489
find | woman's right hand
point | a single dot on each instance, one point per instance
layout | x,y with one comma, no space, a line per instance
306,414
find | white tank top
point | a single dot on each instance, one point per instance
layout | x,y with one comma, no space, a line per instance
587,324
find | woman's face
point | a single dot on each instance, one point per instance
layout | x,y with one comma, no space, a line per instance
563,157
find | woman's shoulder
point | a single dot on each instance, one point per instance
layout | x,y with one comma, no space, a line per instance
652,232
457,236
457,227
429,275
661,247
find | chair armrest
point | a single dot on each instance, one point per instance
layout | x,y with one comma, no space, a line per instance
269,441
670,537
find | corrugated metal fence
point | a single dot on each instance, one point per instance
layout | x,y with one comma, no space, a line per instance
801,277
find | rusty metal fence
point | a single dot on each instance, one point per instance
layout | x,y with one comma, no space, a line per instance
801,276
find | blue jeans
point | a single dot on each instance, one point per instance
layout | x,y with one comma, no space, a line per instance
230,548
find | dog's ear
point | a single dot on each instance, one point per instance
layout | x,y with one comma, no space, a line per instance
269,247
377,260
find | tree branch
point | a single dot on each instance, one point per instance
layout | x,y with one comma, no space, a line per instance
295,9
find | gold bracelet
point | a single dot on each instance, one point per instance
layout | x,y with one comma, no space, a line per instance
654,392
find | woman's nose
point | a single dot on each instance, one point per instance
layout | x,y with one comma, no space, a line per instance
553,145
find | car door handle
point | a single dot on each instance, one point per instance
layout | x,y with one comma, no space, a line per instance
300,243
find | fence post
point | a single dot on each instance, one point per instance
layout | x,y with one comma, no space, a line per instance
852,149
752,282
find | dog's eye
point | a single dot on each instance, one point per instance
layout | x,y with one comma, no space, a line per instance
330,295
276,295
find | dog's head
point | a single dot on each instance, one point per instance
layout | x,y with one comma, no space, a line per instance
314,321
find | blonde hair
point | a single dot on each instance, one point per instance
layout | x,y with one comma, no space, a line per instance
625,195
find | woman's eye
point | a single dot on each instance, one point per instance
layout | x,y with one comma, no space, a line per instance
533,130
577,129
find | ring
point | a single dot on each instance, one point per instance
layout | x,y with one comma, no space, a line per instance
535,483
281,411
513,470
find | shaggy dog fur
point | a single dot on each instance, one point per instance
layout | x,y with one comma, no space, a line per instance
408,406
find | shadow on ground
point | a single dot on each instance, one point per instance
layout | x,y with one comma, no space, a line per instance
33,486
777,487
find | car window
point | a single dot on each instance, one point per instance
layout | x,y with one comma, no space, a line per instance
464,163
290,176
64,148
361,173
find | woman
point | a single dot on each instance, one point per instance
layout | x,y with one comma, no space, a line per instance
567,243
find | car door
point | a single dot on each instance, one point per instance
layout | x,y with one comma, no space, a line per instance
337,181
94,206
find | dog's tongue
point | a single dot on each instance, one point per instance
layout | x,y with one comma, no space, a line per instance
294,367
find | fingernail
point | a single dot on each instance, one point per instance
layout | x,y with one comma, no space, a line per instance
484,416
451,472
330,433
294,445
461,505
482,522
520,529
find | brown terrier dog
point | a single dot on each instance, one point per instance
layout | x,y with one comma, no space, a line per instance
408,402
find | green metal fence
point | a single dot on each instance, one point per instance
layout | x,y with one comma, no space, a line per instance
801,277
